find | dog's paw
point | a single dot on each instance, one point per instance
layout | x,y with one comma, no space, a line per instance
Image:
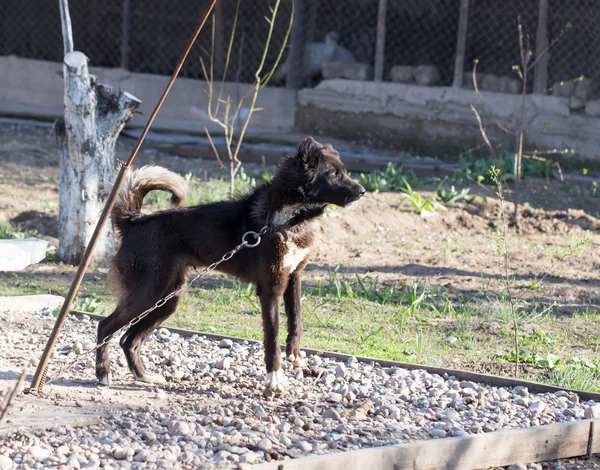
276,381
105,380
297,361
155,379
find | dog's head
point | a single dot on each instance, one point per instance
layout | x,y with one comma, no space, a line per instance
319,176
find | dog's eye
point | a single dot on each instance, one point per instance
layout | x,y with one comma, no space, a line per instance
333,172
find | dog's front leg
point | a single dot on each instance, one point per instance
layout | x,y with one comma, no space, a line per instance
269,300
291,299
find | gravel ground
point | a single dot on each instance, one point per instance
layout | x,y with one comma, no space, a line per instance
212,412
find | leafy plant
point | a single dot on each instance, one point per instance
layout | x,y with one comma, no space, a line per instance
477,169
452,196
266,175
10,232
423,206
390,179
90,305
548,361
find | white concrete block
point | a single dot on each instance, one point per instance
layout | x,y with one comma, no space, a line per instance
16,255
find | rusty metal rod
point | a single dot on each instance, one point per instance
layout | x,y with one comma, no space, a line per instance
40,374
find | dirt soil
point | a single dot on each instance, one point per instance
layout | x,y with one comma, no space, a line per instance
381,235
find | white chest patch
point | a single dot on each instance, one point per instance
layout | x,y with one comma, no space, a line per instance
294,256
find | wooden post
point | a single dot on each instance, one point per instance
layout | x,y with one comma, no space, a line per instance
380,41
540,73
125,25
295,72
219,44
461,44
94,117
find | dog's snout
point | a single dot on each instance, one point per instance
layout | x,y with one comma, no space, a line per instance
361,191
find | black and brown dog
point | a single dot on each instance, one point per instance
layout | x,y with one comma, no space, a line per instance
157,250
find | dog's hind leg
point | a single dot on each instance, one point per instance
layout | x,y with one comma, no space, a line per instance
107,327
133,340
291,299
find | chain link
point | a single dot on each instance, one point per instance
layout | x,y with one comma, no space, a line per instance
227,256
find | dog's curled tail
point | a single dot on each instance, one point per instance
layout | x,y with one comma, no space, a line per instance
138,184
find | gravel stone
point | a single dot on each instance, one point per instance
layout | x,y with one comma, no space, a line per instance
250,457
537,406
330,413
122,453
39,453
305,446
259,412
224,363
211,412
6,463
178,428
517,466
265,444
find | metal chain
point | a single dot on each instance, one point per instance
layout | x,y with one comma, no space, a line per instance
227,256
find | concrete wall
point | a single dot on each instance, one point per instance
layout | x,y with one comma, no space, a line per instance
438,121
434,121
33,88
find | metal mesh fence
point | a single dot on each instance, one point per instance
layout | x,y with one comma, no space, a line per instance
573,39
418,32
148,36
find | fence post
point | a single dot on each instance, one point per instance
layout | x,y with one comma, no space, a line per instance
461,43
380,42
219,45
295,73
540,72
125,24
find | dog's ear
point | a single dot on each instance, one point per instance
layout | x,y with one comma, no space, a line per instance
328,148
308,151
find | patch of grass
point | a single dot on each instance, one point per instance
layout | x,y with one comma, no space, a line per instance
577,378
363,315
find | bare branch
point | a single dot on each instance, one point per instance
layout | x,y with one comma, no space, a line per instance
478,93
212,144
7,402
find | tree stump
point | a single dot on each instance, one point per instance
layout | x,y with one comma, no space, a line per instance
94,117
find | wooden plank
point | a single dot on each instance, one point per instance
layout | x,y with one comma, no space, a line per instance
541,443
42,420
380,41
540,78
488,379
461,44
